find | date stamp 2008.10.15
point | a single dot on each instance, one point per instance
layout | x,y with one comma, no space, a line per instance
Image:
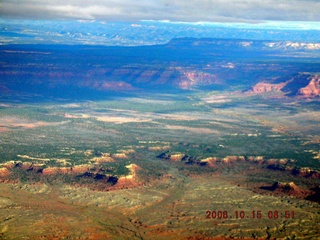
254,214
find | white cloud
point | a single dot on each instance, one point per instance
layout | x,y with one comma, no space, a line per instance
174,10
90,12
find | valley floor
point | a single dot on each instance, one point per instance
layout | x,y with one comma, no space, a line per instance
175,207
210,166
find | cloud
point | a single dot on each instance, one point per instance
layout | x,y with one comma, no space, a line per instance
174,10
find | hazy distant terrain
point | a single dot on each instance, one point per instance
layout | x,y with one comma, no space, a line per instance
141,33
87,72
194,138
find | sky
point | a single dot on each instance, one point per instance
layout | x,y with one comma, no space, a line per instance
172,10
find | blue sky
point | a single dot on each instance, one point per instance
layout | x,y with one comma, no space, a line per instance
251,11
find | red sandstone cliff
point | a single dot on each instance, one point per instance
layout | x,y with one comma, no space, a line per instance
262,87
312,89
302,85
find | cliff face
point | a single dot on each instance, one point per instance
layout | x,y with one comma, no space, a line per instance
301,85
312,89
288,188
267,87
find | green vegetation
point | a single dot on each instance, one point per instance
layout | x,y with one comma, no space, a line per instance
42,133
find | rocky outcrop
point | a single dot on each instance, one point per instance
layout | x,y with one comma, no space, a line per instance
79,169
306,172
175,157
4,172
26,166
233,159
94,176
119,155
287,188
10,165
130,180
56,170
282,164
179,157
105,157
305,85
188,79
158,148
312,89
263,87
301,172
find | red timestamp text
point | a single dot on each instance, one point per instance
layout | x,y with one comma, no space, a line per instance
255,214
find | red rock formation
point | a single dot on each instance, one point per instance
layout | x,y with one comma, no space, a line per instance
194,78
26,166
232,159
275,161
119,155
262,87
80,169
125,182
130,180
292,87
29,166
312,89
9,165
288,188
177,157
134,168
50,171
302,172
255,159
106,157
306,172
4,172
66,170
56,170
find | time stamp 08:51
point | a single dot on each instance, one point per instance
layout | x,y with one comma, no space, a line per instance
255,214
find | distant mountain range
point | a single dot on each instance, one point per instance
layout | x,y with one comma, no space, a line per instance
85,71
241,44
147,32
